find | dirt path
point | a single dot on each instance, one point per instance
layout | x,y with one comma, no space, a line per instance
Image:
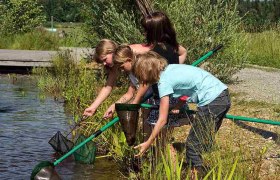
258,85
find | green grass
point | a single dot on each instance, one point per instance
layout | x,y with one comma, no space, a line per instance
264,48
41,39
62,24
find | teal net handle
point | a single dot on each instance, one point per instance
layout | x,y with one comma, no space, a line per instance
207,55
229,116
242,118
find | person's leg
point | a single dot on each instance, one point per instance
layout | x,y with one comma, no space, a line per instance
207,122
196,138
219,107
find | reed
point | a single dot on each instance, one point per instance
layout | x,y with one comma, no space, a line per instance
264,48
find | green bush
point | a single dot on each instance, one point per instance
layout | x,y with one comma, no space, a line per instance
74,37
20,16
202,25
113,19
38,39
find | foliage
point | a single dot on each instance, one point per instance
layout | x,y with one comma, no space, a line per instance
264,48
34,40
73,37
259,14
20,16
41,39
113,19
202,25
63,10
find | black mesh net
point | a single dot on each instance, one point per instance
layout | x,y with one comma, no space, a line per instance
128,115
60,143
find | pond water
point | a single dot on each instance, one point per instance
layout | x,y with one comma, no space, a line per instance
27,123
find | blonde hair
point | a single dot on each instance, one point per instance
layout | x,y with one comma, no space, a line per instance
104,47
122,53
148,66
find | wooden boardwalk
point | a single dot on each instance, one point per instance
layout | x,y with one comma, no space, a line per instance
31,58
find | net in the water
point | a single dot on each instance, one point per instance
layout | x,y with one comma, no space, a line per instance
128,115
60,143
85,154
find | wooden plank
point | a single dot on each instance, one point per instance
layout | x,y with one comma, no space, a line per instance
14,63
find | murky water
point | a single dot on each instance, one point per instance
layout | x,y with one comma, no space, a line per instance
26,125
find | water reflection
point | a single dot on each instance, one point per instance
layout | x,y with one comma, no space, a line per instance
26,125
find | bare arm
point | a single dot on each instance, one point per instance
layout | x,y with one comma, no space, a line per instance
124,99
139,48
182,54
140,93
103,94
162,120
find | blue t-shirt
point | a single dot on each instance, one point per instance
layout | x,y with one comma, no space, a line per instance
185,80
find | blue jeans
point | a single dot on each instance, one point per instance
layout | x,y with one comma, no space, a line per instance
207,122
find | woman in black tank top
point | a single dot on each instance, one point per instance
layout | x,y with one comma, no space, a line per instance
166,51
172,57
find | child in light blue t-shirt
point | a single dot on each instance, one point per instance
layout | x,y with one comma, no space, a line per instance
201,87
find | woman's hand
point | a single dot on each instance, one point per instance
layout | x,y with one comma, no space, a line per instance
109,112
142,148
90,111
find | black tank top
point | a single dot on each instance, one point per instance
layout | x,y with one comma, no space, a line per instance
172,57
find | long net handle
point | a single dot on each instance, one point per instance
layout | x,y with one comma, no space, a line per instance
214,50
228,116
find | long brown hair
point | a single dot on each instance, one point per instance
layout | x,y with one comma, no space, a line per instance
159,29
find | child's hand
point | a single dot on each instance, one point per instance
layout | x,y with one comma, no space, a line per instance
110,112
142,148
89,111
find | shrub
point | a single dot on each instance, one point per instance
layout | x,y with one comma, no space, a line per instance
38,39
116,20
20,16
202,25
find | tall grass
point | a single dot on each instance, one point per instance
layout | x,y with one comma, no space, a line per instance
41,39
264,48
